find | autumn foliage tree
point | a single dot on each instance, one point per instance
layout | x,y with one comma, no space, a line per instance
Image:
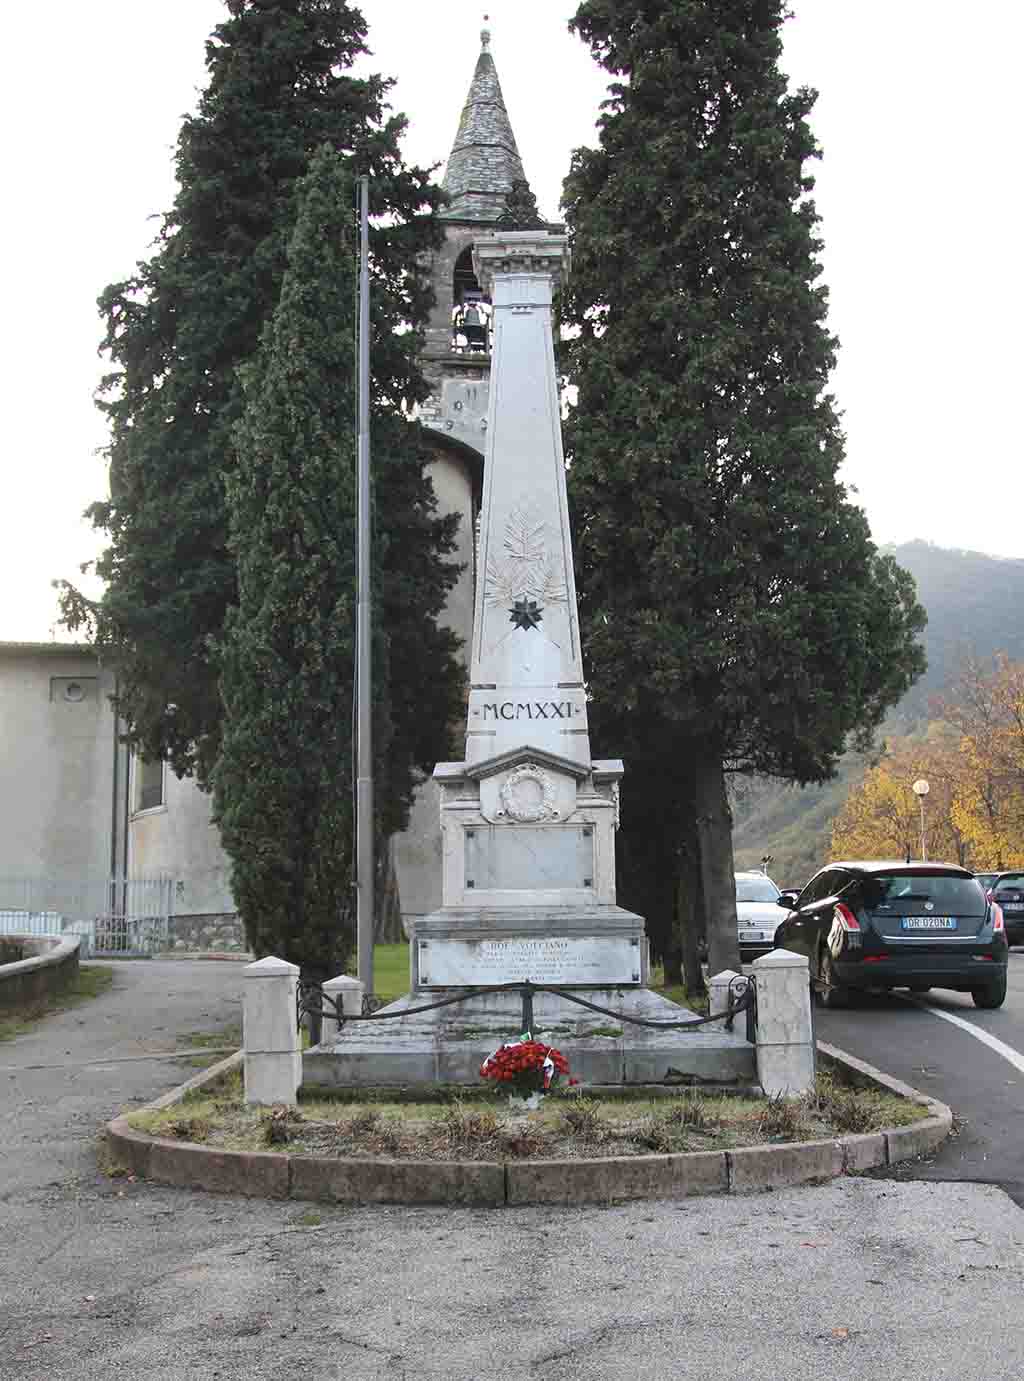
973,761
986,707
881,818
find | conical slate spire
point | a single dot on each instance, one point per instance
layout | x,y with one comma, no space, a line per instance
484,162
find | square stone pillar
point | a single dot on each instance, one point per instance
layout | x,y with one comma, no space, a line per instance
718,991
347,994
785,1040
270,1032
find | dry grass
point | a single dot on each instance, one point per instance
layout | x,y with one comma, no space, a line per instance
90,981
481,1126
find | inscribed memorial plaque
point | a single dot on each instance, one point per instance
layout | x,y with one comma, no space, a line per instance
561,961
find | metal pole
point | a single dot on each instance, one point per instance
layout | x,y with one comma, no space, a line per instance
364,738
924,850
526,1019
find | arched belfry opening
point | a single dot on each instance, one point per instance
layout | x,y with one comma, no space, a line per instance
464,284
471,308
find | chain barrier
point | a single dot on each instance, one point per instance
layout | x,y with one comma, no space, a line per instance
313,1001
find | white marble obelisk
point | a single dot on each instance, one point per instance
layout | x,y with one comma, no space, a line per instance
528,818
527,671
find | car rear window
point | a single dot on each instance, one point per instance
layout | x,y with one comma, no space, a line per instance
1011,882
949,896
756,889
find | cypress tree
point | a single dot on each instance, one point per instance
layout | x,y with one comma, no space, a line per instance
283,779
179,328
735,612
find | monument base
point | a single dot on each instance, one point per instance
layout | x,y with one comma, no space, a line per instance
447,1045
588,944
598,952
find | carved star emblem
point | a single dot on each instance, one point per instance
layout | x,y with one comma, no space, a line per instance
525,613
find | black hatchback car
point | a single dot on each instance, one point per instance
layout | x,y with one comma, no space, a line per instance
1007,891
897,925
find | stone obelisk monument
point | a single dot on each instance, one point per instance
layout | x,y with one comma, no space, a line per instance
528,819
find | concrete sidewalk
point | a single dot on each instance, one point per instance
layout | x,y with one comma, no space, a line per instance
105,1279
73,1070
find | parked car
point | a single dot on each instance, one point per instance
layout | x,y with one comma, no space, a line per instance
757,914
1007,890
897,925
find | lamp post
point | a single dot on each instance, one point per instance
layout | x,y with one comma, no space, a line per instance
920,790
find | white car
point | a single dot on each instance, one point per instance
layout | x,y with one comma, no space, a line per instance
757,914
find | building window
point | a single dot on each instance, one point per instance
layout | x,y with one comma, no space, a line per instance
72,690
149,783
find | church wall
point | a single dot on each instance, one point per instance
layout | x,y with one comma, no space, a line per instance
417,851
178,839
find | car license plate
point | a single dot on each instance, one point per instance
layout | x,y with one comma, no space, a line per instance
928,922
1013,905
750,935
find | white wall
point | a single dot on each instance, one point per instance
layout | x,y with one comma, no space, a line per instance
56,763
179,840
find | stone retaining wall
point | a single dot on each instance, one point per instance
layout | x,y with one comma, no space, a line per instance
49,967
207,932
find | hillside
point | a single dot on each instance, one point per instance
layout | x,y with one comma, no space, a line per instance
974,605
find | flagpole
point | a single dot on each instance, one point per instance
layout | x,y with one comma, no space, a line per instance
364,733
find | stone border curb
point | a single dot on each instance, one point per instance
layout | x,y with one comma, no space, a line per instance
42,975
749,1169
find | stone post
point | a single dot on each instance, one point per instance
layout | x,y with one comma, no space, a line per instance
270,1032
718,991
785,1041
347,993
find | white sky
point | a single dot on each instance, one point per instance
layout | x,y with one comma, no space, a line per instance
919,190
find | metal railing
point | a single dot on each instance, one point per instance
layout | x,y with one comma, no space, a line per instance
312,1001
111,915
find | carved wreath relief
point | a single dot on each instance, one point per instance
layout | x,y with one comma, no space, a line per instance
528,795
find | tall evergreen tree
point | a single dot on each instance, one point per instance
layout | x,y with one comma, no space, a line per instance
283,779
178,329
735,612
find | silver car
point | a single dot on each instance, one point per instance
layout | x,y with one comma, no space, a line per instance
757,914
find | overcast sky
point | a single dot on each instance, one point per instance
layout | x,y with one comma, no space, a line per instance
919,191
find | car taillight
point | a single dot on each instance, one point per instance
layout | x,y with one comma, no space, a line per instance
847,919
998,924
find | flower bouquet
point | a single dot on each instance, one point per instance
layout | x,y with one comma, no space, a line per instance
528,1068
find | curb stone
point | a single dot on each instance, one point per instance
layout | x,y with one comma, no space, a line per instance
321,1179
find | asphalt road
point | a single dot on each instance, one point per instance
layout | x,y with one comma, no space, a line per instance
103,1279
908,1038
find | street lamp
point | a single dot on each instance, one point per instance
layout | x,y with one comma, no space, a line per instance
920,790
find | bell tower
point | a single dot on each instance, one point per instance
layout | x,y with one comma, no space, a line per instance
488,190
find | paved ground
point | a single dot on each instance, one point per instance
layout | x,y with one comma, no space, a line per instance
985,1087
101,1279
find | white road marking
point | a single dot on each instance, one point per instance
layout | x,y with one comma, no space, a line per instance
993,1042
